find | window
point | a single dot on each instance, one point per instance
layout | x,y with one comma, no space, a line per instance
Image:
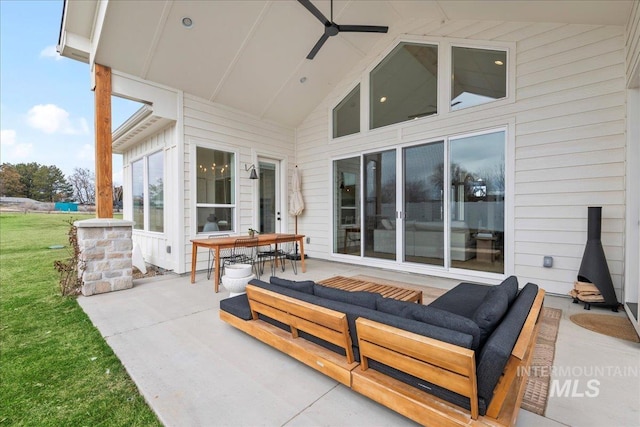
137,175
479,76
346,115
404,86
147,183
156,192
215,189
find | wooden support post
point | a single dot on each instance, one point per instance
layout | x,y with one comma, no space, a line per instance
104,166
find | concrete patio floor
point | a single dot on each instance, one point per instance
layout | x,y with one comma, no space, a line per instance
195,370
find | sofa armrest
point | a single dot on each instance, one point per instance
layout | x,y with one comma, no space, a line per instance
437,362
326,324
519,361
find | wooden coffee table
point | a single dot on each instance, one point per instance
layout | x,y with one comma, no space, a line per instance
387,291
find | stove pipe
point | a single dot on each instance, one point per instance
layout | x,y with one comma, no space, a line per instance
594,268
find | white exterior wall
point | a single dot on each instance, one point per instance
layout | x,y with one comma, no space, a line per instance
221,128
154,244
632,243
633,42
566,145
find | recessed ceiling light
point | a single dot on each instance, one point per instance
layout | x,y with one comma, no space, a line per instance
498,62
187,22
383,99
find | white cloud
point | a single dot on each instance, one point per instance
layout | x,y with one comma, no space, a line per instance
50,52
22,152
50,118
7,137
12,151
86,152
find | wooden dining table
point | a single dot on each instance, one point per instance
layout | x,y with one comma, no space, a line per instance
218,243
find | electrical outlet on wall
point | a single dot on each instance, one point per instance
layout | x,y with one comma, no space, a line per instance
308,239
547,261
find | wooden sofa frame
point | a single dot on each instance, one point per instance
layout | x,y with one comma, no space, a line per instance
440,363
321,322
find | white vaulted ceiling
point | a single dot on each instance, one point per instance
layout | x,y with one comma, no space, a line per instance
251,55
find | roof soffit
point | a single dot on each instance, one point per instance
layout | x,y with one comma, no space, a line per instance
251,55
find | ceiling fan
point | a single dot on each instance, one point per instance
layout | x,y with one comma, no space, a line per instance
332,29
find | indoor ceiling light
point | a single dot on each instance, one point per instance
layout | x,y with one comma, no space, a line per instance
383,99
498,62
187,22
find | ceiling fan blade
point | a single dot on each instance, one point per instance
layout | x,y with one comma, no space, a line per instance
314,11
317,47
363,28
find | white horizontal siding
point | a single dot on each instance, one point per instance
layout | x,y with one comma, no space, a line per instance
632,44
228,129
569,124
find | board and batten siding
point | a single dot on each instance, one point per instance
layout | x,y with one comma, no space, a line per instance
154,244
226,129
566,145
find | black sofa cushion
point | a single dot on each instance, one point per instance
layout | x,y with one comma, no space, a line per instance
433,316
237,305
471,293
305,286
363,299
393,306
510,286
495,352
444,319
490,311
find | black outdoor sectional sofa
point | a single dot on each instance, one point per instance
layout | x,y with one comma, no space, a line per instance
456,361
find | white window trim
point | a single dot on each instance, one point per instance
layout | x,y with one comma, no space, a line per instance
334,104
194,143
145,185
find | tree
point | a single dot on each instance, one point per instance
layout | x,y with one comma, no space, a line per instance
10,184
49,184
27,172
83,183
117,197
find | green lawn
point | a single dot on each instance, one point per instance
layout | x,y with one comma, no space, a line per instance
55,368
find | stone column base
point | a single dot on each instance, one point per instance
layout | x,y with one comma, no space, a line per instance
105,255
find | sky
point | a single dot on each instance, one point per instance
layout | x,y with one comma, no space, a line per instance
46,104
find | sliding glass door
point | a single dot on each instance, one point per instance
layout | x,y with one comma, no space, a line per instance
380,204
424,203
446,211
477,202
